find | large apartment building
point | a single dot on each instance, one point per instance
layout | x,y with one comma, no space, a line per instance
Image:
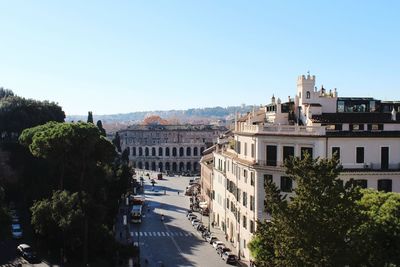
363,132
168,148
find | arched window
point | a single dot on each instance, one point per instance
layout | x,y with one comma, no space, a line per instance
167,152
174,151
134,151
140,165
195,151
160,167
188,152
146,151
308,95
181,150
140,152
188,166
174,167
153,151
195,166
201,150
167,167
181,167
153,166
160,152
146,165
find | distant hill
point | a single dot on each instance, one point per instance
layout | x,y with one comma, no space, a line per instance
194,115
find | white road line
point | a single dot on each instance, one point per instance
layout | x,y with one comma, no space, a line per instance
173,240
163,234
158,233
154,233
167,233
145,234
141,234
150,234
136,233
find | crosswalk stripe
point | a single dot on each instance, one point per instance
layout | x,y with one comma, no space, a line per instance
140,233
167,233
154,233
150,234
163,234
145,234
136,233
158,233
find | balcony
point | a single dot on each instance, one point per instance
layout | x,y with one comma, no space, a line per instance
273,129
370,166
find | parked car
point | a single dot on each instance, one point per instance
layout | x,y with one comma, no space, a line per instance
205,212
16,230
222,250
215,243
26,252
201,228
211,239
195,221
229,258
190,216
205,234
188,212
196,224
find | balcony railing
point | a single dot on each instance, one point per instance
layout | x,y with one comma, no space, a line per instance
283,129
371,166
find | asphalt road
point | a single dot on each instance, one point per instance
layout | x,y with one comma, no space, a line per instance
174,241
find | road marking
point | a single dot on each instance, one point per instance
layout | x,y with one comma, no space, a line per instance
167,233
158,233
163,234
136,233
154,233
145,234
150,234
140,233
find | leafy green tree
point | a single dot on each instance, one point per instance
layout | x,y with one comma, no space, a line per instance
377,239
59,219
83,149
100,126
90,117
4,215
5,92
17,114
117,142
314,227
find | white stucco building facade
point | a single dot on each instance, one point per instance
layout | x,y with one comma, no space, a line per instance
363,132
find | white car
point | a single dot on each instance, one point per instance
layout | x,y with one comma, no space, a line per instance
16,230
216,243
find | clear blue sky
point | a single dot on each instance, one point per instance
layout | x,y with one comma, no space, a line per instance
124,56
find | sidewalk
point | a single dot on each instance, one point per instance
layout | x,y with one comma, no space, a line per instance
217,232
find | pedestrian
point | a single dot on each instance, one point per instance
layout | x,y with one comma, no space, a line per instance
178,193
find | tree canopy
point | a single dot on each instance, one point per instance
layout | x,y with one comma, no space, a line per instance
17,113
314,226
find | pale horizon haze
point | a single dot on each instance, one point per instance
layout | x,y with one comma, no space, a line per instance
123,56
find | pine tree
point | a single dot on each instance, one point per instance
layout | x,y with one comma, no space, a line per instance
90,117
100,126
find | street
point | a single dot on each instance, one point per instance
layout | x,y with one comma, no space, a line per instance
173,241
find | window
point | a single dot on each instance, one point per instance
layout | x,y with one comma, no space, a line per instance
384,158
245,175
244,199
245,149
252,178
227,204
363,183
153,151
238,147
359,155
252,203
385,185
244,222
286,184
336,152
375,127
133,151
252,226
267,178
288,151
356,127
167,152
306,150
308,94
253,150
271,155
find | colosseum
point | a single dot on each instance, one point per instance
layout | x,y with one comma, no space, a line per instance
168,148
